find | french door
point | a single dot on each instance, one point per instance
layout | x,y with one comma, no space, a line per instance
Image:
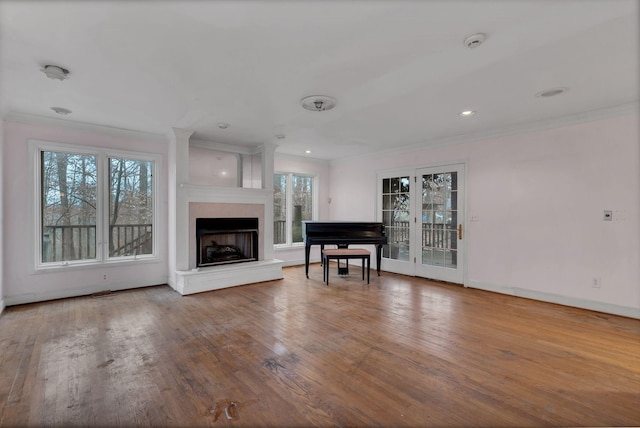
423,213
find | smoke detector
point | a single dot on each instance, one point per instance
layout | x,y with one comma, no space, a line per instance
318,102
55,72
474,40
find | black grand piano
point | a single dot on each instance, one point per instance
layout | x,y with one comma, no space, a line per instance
342,234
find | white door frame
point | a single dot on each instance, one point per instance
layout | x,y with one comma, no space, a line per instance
413,266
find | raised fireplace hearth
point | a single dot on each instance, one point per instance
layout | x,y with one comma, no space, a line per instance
226,240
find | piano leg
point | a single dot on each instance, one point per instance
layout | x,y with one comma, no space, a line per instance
307,250
378,257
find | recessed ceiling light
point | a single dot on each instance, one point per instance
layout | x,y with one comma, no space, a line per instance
61,110
551,92
55,72
280,136
307,151
318,102
223,125
467,113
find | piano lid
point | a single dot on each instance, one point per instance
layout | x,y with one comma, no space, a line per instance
342,228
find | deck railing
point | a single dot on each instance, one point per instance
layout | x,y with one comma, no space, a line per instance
78,242
435,235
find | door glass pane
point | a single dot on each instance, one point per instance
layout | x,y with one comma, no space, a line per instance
130,207
68,192
395,215
439,219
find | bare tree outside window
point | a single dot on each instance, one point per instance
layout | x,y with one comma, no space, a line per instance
279,208
130,207
302,204
69,206
289,211
69,189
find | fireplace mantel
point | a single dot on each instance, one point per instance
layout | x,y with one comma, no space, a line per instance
184,277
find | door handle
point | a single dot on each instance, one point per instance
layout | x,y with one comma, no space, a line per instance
460,231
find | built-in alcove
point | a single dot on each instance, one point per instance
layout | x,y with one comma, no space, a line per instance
210,167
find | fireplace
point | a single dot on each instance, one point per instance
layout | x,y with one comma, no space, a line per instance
222,241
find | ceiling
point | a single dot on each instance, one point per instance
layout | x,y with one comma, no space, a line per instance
399,69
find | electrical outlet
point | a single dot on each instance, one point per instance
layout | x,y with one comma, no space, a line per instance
104,276
607,215
596,282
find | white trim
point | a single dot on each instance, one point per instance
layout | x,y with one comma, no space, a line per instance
519,128
410,267
592,305
29,119
102,155
2,306
210,145
306,159
315,209
21,299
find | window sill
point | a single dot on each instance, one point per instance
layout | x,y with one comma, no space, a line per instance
125,261
288,247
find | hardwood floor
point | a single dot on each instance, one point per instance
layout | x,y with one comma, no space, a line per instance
401,351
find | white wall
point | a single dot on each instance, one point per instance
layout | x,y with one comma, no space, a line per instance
21,283
538,197
2,225
319,168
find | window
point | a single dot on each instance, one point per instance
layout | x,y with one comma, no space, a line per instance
93,206
293,198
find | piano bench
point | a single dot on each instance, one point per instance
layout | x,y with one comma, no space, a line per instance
345,253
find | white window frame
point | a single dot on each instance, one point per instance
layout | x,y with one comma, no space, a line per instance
289,206
36,147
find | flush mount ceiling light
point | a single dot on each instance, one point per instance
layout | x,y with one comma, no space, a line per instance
61,110
223,125
55,72
551,92
280,136
466,113
307,151
318,102
474,40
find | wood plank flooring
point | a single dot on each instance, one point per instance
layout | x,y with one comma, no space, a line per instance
400,351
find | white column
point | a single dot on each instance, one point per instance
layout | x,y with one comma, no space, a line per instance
178,202
239,170
268,159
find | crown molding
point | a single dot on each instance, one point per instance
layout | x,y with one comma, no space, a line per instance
29,119
211,145
297,158
520,128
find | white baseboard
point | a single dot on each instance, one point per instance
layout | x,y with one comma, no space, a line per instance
592,305
21,299
1,306
289,263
